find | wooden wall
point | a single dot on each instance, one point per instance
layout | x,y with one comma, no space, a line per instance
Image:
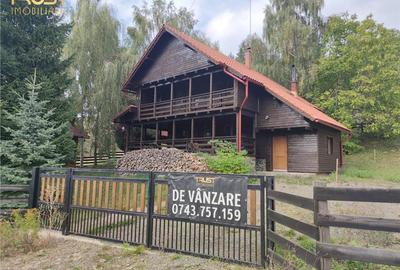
279,114
303,152
327,163
302,149
170,58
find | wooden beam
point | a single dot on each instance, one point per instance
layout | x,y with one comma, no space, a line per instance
154,101
141,135
389,195
296,200
372,255
190,94
364,223
211,86
171,97
235,93
213,127
139,102
173,132
156,132
321,208
192,131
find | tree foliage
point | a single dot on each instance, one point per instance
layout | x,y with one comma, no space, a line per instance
32,138
291,35
148,19
358,74
35,42
292,31
98,69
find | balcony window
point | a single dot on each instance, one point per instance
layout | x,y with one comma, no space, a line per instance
163,92
181,89
201,85
221,81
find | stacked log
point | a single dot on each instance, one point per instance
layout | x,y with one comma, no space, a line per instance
162,160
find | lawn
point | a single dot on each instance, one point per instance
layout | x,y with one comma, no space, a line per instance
378,162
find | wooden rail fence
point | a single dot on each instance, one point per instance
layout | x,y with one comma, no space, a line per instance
324,221
13,196
100,160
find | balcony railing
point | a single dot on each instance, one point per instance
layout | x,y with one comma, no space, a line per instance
204,102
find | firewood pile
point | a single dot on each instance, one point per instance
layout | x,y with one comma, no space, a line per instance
162,160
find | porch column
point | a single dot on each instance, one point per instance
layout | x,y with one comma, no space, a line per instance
171,97
213,128
154,101
141,136
173,133
238,132
81,140
126,138
192,131
140,102
211,85
190,94
156,132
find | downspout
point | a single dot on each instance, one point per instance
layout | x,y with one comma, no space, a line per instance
239,120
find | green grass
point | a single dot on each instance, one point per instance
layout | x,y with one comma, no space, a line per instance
383,165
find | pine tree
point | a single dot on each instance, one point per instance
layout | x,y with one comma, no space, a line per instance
29,42
32,137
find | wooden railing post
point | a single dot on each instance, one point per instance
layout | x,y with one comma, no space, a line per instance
67,201
263,193
270,222
321,208
150,209
34,187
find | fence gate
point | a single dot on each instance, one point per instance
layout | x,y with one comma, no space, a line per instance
209,215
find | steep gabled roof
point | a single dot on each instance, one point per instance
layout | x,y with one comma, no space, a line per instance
297,103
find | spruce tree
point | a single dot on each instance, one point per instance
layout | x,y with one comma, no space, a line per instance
29,42
31,138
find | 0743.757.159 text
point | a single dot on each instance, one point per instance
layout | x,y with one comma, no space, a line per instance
221,213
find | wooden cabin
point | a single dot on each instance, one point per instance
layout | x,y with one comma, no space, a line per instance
189,93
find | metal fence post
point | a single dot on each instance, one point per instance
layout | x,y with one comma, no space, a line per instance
67,201
34,188
150,209
262,217
321,207
270,223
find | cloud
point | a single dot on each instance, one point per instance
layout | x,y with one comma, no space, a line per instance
228,21
231,26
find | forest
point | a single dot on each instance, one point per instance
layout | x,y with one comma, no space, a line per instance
59,71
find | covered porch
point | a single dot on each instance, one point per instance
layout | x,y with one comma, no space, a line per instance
190,134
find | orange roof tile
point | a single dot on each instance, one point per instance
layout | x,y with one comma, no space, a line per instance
280,92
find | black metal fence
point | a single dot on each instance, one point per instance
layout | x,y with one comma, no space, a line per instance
131,206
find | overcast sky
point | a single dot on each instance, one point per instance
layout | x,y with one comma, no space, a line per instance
228,21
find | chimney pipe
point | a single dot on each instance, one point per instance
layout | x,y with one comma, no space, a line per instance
294,86
247,57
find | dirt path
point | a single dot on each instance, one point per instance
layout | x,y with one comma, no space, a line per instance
80,253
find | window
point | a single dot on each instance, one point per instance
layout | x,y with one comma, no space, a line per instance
330,145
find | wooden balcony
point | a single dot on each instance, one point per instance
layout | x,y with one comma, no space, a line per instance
216,100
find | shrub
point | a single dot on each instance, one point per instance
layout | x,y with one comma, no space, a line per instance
227,159
352,147
20,234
